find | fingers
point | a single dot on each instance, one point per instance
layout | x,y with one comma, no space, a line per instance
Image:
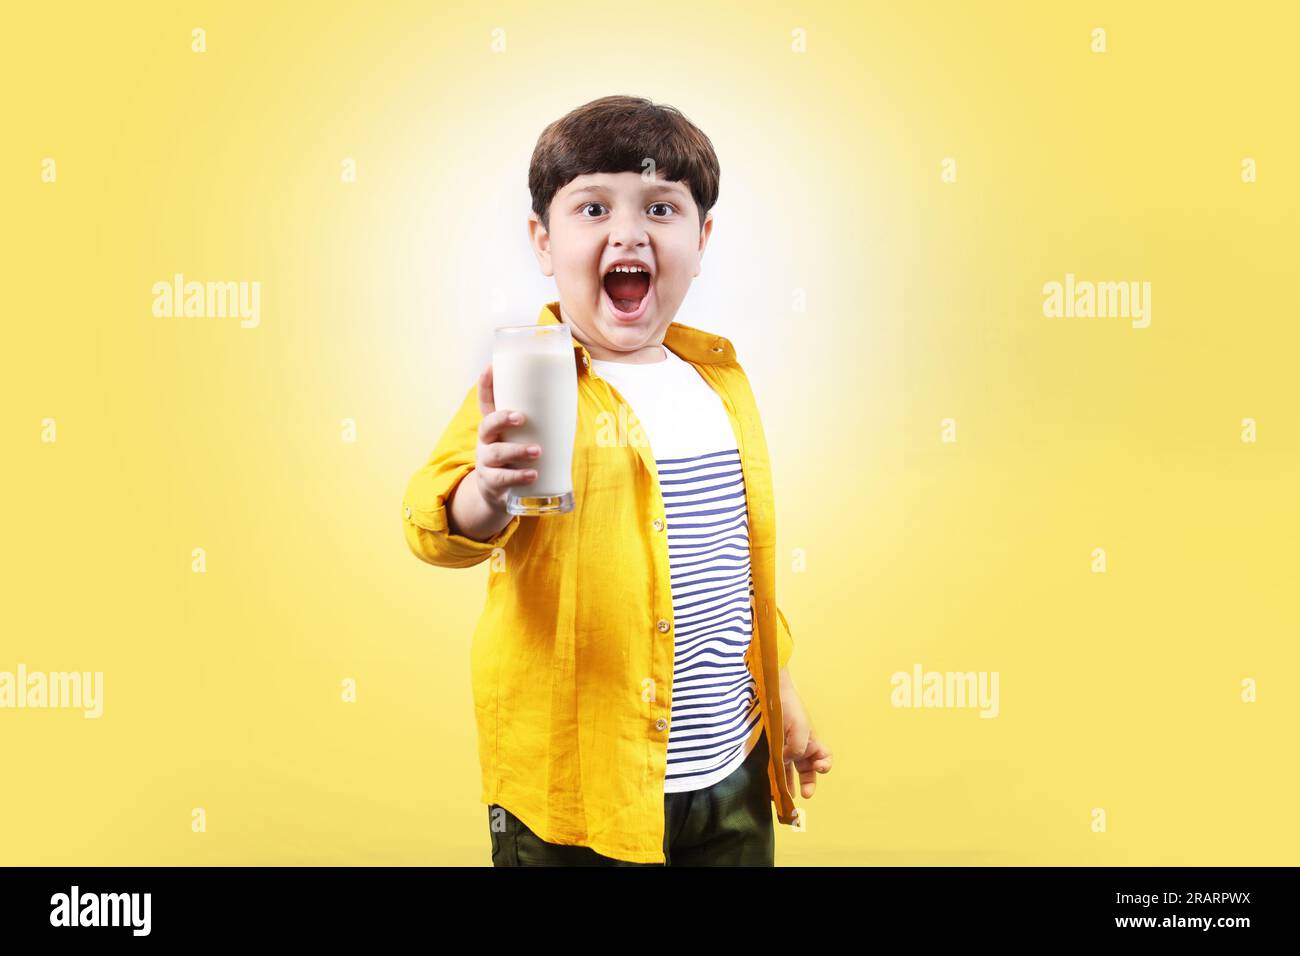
817,757
822,763
503,453
795,762
501,464
494,424
796,741
808,781
815,760
499,479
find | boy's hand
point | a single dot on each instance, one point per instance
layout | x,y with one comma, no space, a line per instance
803,751
492,475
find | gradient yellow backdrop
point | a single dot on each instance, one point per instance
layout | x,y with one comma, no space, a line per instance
868,299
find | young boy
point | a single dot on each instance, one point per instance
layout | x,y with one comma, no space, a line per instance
630,665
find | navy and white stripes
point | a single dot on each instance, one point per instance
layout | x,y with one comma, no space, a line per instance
716,716
715,706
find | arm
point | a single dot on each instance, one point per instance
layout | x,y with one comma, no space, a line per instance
443,527
805,755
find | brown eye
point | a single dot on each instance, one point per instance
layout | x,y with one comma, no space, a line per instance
590,204
664,205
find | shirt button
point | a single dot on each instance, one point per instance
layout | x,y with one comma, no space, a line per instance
586,362
658,524
408,511
663,626
660,724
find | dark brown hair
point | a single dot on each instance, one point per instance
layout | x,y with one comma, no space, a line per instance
616,134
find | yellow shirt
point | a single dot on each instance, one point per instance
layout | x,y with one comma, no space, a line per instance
572,659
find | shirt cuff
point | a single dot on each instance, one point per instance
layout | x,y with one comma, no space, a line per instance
424,513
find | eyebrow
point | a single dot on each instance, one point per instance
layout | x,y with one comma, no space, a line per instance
665,186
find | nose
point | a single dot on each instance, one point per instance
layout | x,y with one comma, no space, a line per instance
627,230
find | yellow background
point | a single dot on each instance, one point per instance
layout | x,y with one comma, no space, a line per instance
924,302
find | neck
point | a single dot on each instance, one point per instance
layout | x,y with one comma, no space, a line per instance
645,355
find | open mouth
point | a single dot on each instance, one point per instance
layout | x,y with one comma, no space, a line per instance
627,287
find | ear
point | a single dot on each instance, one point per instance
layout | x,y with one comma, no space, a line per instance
705,231
541,243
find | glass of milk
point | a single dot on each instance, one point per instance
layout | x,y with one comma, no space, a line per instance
533,372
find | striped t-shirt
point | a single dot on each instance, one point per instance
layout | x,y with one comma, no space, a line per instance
716,718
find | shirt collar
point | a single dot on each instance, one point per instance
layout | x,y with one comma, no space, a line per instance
694,345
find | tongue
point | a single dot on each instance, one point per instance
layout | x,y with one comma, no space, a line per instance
627,289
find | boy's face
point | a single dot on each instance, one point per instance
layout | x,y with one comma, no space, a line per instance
599,219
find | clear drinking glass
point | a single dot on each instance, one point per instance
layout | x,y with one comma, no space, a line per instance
533,372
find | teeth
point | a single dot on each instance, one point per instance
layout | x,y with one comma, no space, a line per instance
628,269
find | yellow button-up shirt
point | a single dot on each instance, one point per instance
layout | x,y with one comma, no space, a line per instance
572,659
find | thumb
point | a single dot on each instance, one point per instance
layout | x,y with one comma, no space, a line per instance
486,400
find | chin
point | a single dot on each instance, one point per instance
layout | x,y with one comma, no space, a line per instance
627,337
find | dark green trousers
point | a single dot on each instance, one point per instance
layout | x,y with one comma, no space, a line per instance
727,824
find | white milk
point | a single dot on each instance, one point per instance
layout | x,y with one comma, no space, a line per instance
544,386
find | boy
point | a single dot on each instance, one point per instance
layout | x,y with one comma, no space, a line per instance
629,668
